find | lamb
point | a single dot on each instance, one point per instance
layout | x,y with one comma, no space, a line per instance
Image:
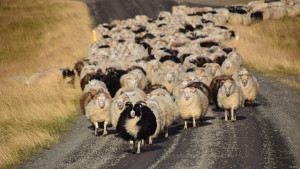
230,67
192,103
98,110
242,71
236,56
249,85
137,122
95,84
230,96
50,77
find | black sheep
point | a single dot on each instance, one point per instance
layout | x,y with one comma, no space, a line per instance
136,123
112,80
170,57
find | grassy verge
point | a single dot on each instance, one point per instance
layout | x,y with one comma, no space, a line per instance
272,48
36,35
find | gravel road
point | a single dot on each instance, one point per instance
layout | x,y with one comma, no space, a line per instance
265,135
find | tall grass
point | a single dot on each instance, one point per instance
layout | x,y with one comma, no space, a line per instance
272,47
36,35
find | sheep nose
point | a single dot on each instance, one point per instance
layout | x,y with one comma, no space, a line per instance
213,72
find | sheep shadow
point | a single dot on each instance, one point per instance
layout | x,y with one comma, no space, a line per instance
150,148
238,118
252,104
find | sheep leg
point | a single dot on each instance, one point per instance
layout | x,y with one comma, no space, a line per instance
150,140
166,132
194,122
139,148
226,118
96,128
249,102
233,118
131,145
185,125
105,131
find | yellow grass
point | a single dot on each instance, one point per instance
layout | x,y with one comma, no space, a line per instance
272,47
36,35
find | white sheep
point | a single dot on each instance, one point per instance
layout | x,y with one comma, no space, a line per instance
98,110
192,103
167,107
249,85
117,106
230,97
154,106
230,66
214,68
96,85
130,80
88,69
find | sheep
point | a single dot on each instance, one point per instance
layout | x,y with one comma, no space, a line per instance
113,80
230,67
130,80
236,56
154,87
50,77
241,71
192,103
167,79
98,109
95,84
230,96
88,69
134,94
166,105
215,69
87,97
141,74
249,85
215,85
137,122
180,84
117,106
153,105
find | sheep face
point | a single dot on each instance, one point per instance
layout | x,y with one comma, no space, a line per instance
187,92
228,87
120,101
244,79
227,64
133,82
170,77
213,67
102,99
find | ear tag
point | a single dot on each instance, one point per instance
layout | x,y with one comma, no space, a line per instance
132,113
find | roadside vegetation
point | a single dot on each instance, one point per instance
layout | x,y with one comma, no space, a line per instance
272,47
36,35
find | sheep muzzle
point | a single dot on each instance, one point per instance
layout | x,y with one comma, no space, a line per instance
101,103
132,113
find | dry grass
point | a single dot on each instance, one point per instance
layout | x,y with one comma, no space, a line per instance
272,47
36,35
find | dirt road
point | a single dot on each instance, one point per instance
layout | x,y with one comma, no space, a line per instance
265,135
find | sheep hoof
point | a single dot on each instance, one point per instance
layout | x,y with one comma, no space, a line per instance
104,133
96,133
194,125
185,127
166,135
138,152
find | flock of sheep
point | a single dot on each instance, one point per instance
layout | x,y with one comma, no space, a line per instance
142,73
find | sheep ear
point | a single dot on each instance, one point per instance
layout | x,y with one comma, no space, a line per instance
193,90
